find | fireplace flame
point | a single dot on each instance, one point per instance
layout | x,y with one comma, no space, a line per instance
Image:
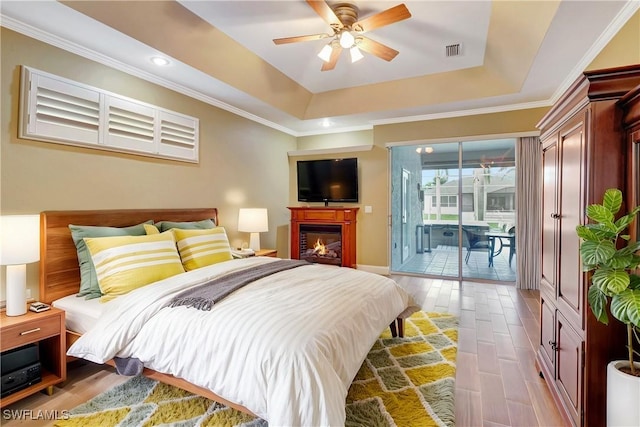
320,248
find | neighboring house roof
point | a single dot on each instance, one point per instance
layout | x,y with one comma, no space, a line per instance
498,183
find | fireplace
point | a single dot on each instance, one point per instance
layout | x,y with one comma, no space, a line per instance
324,235
321,243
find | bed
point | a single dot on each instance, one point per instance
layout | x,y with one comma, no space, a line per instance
285,347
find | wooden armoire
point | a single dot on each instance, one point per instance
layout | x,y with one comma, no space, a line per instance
585,151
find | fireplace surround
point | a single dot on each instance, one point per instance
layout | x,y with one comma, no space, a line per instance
333,228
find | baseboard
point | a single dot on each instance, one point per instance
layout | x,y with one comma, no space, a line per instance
378,269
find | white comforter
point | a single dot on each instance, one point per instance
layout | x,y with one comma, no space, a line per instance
286,347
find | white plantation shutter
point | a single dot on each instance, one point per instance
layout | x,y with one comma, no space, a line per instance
178,135
130,125
55,109
62,110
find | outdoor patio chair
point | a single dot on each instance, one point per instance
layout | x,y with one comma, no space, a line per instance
476,240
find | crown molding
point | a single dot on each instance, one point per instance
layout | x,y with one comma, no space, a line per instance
74,48
612,29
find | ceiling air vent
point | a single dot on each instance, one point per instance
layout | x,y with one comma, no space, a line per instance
453,49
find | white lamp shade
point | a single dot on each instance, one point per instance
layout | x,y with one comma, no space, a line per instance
253,220
346,39
19,245
19,239
325,53
356,55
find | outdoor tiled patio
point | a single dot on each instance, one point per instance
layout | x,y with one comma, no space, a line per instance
443,261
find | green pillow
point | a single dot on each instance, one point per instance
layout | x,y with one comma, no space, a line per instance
189,225
89,287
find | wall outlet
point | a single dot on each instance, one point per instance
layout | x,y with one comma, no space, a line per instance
368,209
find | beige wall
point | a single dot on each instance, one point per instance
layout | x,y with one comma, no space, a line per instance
623,49
242,163
371,238
373,230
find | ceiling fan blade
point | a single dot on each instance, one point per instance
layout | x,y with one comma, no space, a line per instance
377,49
310,37
335,54
389,16
326,13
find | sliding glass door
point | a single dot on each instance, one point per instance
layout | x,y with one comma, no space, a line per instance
453,210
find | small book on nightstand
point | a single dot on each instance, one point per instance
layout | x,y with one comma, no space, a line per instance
39,307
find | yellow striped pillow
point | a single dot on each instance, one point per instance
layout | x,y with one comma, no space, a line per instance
150,229
199,248
124,263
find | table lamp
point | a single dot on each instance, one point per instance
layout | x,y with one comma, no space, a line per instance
254,221
19,245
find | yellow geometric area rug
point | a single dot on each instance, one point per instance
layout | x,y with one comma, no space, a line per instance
403,382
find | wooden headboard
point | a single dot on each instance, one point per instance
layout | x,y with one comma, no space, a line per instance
59,269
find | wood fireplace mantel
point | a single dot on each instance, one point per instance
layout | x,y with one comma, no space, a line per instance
345,217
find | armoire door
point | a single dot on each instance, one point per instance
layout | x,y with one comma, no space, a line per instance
550,216
569,282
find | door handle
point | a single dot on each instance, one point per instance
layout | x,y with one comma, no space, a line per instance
555,215
553,345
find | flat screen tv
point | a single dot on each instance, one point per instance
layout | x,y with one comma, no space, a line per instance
328,180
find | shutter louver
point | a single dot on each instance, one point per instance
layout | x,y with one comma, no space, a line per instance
130,125
178,136
54,109
62,111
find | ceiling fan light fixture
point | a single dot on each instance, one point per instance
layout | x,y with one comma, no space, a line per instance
356,55
346,39
325,53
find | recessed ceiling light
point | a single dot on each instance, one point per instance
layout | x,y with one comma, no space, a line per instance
160,61
325,123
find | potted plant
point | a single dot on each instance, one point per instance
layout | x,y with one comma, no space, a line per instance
612,256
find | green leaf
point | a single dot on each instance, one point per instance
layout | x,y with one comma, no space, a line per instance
626,307
604,231
597,302
634,282
586,233
623,222
611,282
600,213
612,200
620,261
597,252
631,248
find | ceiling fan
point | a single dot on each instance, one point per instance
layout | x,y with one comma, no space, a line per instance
348,31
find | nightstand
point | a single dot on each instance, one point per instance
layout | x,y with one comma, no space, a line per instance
267,252
48,330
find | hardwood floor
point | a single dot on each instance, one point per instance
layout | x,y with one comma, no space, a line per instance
497,383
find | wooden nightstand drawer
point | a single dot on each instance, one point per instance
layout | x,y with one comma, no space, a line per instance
28,332
46,329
